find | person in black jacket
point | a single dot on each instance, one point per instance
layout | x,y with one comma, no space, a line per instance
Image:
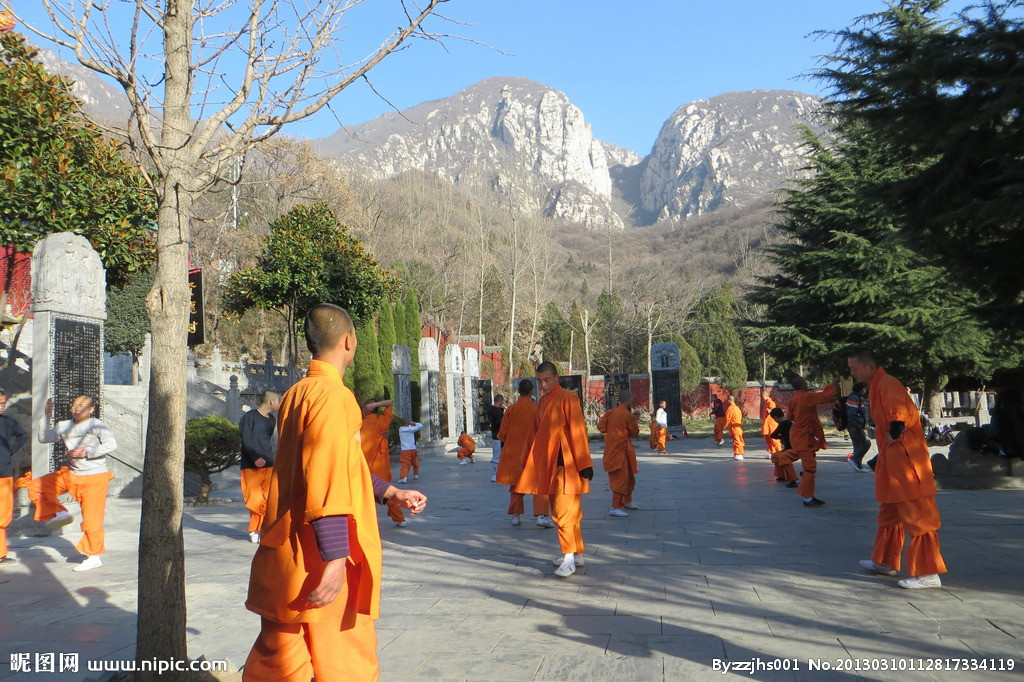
495,413
12,437
257,431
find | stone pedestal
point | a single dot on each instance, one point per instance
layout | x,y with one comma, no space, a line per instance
401,371
665,380
69,306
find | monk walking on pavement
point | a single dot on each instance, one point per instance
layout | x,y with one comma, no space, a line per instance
904,482
619,426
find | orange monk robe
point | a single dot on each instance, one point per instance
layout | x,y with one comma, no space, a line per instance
768,426
904,482
319,471
734,422
374,440
559,428
807,435
619,427
515,428
467,446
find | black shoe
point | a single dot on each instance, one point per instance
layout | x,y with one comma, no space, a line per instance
793,484
779,479
872,462
815,502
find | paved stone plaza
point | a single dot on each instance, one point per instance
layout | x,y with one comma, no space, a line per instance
721,563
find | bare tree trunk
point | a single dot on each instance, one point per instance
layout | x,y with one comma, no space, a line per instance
483,270
650,369
572,341
161,612
515,294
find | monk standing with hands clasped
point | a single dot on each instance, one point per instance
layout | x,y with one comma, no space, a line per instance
558,464
316,576
515,429
619,427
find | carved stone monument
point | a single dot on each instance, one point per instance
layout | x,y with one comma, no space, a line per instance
470,374
665,380
454,384
613,385
401,372
69,305
574,384
430,390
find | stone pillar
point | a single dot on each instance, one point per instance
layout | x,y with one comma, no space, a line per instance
217,366
430,390
400,370
69,304
665,380
981,415
234,400
470,374
456,390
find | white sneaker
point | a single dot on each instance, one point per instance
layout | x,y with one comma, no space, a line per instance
90,563
254,537
401,524
630,505
719,443
516,520
62,519
881,569
920,582
402,480
737,457
494,479
545,522
853,465
577,559
567,568
415,477
617,512
462,462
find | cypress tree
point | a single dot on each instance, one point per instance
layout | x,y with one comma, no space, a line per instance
716,340
366,381
413,334
385,339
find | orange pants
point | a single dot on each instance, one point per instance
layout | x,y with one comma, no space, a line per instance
298,652
409,458
466,453
90,492
659,437
6,510
739,446
918,517
772,445
517,506
255,486
809,465
784,465
395,511
719,429
567,513
622,483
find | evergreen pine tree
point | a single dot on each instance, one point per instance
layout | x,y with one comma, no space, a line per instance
413,334
716,340
366,381
386,339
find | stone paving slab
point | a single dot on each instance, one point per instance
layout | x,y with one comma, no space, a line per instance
721,563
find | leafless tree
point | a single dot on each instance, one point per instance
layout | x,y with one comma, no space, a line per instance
202,90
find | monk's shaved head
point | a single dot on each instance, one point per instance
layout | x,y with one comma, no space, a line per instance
799,383
547,367
863,364
525,388
864,357
626,398
325,324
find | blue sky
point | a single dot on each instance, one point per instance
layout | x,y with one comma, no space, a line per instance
626,65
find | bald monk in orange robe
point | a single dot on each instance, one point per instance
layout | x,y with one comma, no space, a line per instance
904,482
619,427
734,422
467,446
515,428
558,463
768,426
374,439
659,428
316,575
806,436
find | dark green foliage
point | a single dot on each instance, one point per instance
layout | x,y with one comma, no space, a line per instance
366,381
689,366
607,343
850,277
413,334
127,319
58,173
309,258
385,340
945,99
715,338
212,444
554,334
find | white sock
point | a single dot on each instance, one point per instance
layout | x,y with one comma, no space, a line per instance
568,556
808,499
